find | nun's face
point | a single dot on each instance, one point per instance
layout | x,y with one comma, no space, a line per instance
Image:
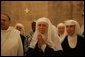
70,29
43,27
61,29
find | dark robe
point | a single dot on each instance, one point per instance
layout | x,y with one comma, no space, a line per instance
77,51
22,38
23,41
48,52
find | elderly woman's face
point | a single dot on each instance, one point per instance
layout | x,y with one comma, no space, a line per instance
42,27
70,29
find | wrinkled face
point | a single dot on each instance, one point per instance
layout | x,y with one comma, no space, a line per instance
61,29
70,29
5,22
43,27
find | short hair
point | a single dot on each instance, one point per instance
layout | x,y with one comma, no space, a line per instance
33,22
7,16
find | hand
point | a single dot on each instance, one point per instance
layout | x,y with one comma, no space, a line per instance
40,41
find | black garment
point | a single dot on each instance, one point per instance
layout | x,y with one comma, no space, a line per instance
23,41
38,52
77,51
22,38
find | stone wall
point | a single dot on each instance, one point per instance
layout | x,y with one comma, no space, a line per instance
56,11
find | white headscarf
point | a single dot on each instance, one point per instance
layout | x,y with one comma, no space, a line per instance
50,38
61,37
55,38
77,26
72,40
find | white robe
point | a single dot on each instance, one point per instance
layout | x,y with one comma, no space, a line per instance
11,44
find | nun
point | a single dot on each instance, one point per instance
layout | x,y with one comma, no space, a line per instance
61,31
73,44
43,41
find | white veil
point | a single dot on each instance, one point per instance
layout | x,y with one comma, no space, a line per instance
64,34
50,38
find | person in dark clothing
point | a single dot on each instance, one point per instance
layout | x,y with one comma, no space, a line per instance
48,52
30,35
42,42
77,51
73,44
